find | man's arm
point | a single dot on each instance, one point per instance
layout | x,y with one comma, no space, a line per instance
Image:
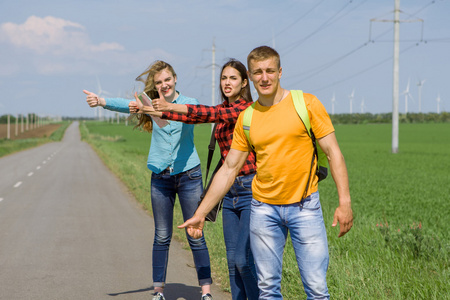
221,184
344,213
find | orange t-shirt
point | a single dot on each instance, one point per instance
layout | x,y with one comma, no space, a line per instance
284,150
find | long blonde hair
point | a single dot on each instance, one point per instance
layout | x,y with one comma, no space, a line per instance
147,77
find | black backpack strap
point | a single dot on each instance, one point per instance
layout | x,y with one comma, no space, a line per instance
211,147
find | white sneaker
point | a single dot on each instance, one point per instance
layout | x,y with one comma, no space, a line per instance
207,297
159,296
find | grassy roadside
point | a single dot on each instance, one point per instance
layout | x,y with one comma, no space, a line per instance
398,248
12,146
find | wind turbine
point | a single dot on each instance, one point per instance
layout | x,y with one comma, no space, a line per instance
438,100
420,84
352,95
100,92
407,94
362,105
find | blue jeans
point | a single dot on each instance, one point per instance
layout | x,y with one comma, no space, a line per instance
236,231
164,187
269,226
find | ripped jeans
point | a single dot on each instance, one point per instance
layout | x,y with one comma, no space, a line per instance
164,187
269,227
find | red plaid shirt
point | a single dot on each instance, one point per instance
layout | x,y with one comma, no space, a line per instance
226,115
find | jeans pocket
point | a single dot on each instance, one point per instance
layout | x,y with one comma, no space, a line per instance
195,173
246,185
246,182
156,176
256,202
312,202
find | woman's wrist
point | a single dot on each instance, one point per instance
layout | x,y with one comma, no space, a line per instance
145,109
177,108
170,107
101,102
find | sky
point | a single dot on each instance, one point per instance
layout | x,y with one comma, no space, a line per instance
50,50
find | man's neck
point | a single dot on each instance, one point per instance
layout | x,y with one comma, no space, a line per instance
273,99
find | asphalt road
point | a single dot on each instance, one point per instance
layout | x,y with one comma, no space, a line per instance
70,230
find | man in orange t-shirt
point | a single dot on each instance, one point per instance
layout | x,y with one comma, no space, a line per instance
282,201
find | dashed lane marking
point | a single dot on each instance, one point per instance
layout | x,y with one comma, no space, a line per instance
30,174
18,184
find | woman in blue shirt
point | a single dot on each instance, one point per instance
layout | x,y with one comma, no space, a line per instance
175,167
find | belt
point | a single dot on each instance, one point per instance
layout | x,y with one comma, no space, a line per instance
167,170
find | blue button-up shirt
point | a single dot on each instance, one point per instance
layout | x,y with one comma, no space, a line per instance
171,146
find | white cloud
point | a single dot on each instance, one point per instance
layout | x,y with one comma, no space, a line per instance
51,35
54,46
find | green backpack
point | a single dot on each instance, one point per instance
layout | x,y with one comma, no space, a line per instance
300,107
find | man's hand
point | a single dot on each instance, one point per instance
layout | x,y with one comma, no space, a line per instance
161,104
194,226
343,215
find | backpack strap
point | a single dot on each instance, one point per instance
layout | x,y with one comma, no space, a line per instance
248,113
302,111
211,148
300,107
322,161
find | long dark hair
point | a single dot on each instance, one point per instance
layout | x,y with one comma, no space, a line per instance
245,92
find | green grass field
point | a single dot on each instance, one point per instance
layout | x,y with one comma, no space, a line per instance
399,245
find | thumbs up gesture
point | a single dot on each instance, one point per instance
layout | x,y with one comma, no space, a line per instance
161,104
135,106
93,100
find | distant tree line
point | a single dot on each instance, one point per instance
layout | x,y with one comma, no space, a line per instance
356,118
12,118
367,118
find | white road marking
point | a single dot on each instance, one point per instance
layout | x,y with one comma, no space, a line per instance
44,162
30,174
38,167
1,199
18,184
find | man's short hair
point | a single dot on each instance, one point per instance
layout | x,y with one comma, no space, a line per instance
263,53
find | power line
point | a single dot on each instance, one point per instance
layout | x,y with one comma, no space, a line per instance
363,71
289,26
442,40
324,25
317,70
194,71
426,5
320,69
300,18
410,15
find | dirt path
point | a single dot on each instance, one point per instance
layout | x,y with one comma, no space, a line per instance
44,131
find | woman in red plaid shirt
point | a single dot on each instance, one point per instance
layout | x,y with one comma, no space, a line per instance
236,96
